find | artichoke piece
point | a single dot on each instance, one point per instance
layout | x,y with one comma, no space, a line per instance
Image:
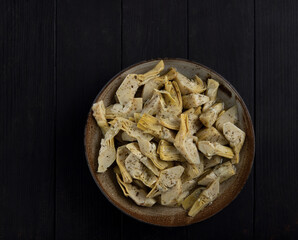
194,100
193,121
122,153
140,184
207,196
231,115
212,88
107,151
188,86
136,194
184,142
157,83
149,150
129,86
210,149
193,170
131,129
190,200
118,110
127,138
173,97
134,149
99,112
236,137
169,197
169,121
207,177
138,171
215,160
152,106
167,179
137,117
209,117
212,135
151,125
224,171
168,152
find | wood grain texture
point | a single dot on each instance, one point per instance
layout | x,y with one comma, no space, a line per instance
88,55
153,29
27,103
276,117
221,36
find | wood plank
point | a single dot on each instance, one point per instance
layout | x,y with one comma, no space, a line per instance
153,29
89,54
27,122
221,36
276,117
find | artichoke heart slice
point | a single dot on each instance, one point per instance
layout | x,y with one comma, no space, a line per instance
193,170
125,137
212,135
157,83
134,149
231,115
194,122
215,160
211,92
167,179
190,200
169,197
209,117
207,196
210,149
122,154
152,106
184,142
194,100
187,186
207,177
153,73
126,111
188,86
107,151
173,98
138,171
236,137
138,195
99,112
168,152
151,125
224,171
149,150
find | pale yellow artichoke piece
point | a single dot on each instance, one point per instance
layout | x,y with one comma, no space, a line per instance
181,197
207,196
194,100
125,137
168,152
212,135
184,142
190,200
167,179
194,122
189,185
231,115
149,150
236,137
122,153
169,121
131,129
153,73
138,195
126,111
138,171
188,86
173,99
207,177
211,92
224,171
152,106
210,149
107,151
157,83
137,117
169,197
215,160
209,117
128,88
151,125
193,170
134,149
99,112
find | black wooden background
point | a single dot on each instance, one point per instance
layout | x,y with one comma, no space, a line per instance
55,55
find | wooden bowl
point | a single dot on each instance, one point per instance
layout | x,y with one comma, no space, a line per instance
161,215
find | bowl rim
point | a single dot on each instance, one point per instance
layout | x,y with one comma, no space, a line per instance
246,112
